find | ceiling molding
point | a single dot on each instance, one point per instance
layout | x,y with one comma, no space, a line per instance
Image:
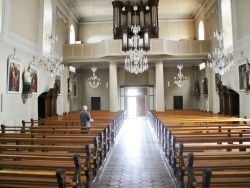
205,8
59,15
71,14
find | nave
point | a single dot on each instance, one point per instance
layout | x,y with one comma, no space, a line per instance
135,160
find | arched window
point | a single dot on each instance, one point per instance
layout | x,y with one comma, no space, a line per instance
72,34
201,30
226,12
1,12
47,24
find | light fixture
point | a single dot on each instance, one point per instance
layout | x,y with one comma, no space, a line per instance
219,61
51,63
93,80
136,62
180,80
242,59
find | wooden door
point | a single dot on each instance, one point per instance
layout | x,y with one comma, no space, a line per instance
178,102
95,103
141,106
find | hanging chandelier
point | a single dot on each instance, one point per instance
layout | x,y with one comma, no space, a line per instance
219,61
93,80
51,62
180,80
136,62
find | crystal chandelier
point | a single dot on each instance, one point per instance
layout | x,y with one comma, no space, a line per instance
136,62
51,63
180,80
93,80
219,60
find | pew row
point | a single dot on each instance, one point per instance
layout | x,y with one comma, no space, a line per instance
220,144
32,170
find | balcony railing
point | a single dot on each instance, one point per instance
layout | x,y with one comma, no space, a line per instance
113,49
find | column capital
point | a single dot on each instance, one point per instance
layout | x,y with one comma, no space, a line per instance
79,71
113,63
158,62
195,67
66,64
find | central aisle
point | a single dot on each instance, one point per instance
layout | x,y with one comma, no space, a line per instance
135,160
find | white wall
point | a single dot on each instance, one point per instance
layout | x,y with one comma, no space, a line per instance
170,30
172,89
211,16
101,91
22,30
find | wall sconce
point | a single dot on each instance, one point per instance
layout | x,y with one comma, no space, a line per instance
25,97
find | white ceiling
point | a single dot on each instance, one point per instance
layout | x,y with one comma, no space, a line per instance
102,10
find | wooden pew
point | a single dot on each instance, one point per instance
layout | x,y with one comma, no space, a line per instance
190,131
31,170
54,137
200,135
218,171
104,136
21,139
114,119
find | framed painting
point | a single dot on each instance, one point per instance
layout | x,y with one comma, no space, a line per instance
69,87
242,74
74,88
217,79
204,85
58,82
14,74
34,81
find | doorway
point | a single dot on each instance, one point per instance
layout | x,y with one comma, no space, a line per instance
131,107
136,106
95,103
178,102
136,102
141,106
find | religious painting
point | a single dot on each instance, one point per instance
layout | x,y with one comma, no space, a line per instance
242,74
58,83
69,87
204,85
14,75
75,88
217,79
34,80
1,102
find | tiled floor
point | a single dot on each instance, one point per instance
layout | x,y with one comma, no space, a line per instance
135,160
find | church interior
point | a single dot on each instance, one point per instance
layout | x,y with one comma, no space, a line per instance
152,62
